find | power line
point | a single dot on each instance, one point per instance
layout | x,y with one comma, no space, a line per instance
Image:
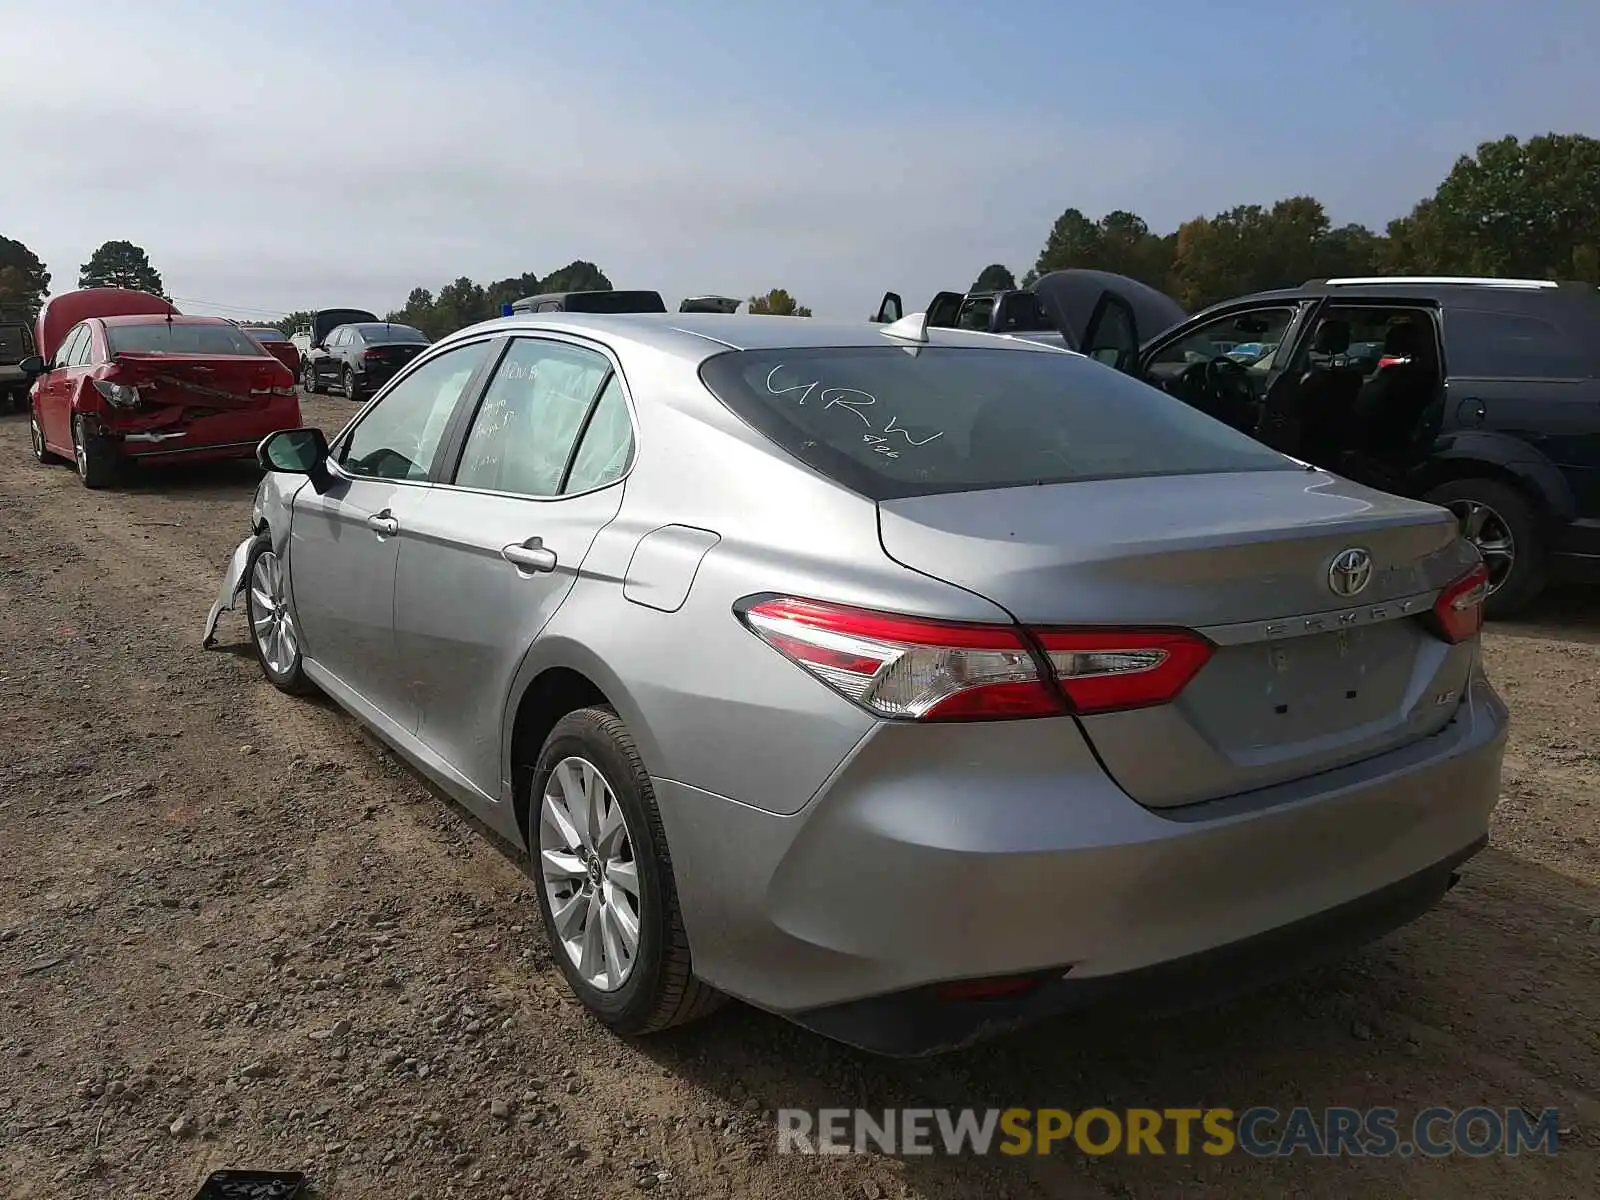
242,308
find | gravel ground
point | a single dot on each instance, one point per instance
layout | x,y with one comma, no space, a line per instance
235,932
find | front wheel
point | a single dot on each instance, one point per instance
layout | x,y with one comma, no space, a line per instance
606,891
309,381
273,631
1503,524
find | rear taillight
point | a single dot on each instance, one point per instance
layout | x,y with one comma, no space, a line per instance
911,668
1458,612
907,667
374,354
1103,670
120,394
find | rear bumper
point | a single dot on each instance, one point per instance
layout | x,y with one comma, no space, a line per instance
937,854
234,434
921,1022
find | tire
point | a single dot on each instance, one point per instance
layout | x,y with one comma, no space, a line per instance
352,390
41,453
97,462
1500,508
283,665
309,380
659,989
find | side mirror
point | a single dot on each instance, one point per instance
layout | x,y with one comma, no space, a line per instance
33,365
293,451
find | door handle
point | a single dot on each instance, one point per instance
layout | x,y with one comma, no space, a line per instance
529,555
383,524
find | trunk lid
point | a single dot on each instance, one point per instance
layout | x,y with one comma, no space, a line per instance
392,354
1302,679
211,381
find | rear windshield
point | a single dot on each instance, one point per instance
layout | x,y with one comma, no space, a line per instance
177,337
16,343
890,422
390,333
268,335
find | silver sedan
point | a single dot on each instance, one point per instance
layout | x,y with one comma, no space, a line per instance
911,684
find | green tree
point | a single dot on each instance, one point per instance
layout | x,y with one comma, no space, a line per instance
576,276
24,282
290,322
778,303
1526,209
996,277
1074,241
120,265
460,304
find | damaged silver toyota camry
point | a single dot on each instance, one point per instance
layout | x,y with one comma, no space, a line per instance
913,684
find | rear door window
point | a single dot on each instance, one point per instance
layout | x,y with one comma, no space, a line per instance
1493,345
524,432
891,421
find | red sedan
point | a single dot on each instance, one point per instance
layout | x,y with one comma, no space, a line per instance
151,386
277,344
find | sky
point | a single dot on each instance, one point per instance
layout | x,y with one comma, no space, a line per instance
299,155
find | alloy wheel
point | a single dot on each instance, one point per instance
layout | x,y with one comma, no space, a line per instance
36,435
270,620
1488,531
591,878
80,452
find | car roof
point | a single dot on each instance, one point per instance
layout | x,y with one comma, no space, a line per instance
698,336
1493,295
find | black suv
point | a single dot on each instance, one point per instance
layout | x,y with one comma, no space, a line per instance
1480,395
360,358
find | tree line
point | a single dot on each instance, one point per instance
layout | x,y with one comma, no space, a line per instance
1525,209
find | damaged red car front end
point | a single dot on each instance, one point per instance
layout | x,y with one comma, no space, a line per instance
159,388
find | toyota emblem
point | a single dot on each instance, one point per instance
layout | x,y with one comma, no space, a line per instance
1350,572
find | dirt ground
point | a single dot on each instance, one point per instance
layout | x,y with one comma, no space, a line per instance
235,932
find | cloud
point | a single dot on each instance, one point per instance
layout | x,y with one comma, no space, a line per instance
291,173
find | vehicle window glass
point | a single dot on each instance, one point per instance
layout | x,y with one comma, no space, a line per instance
1491,344
607,443
1113,338
1369,330
399,436
69,346
550,306
178,337
975,314
379,334
888,424
1249,338
522,436
268,335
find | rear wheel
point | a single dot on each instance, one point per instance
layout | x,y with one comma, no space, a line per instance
606,891
97,461
1503,524
352,390
36,437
